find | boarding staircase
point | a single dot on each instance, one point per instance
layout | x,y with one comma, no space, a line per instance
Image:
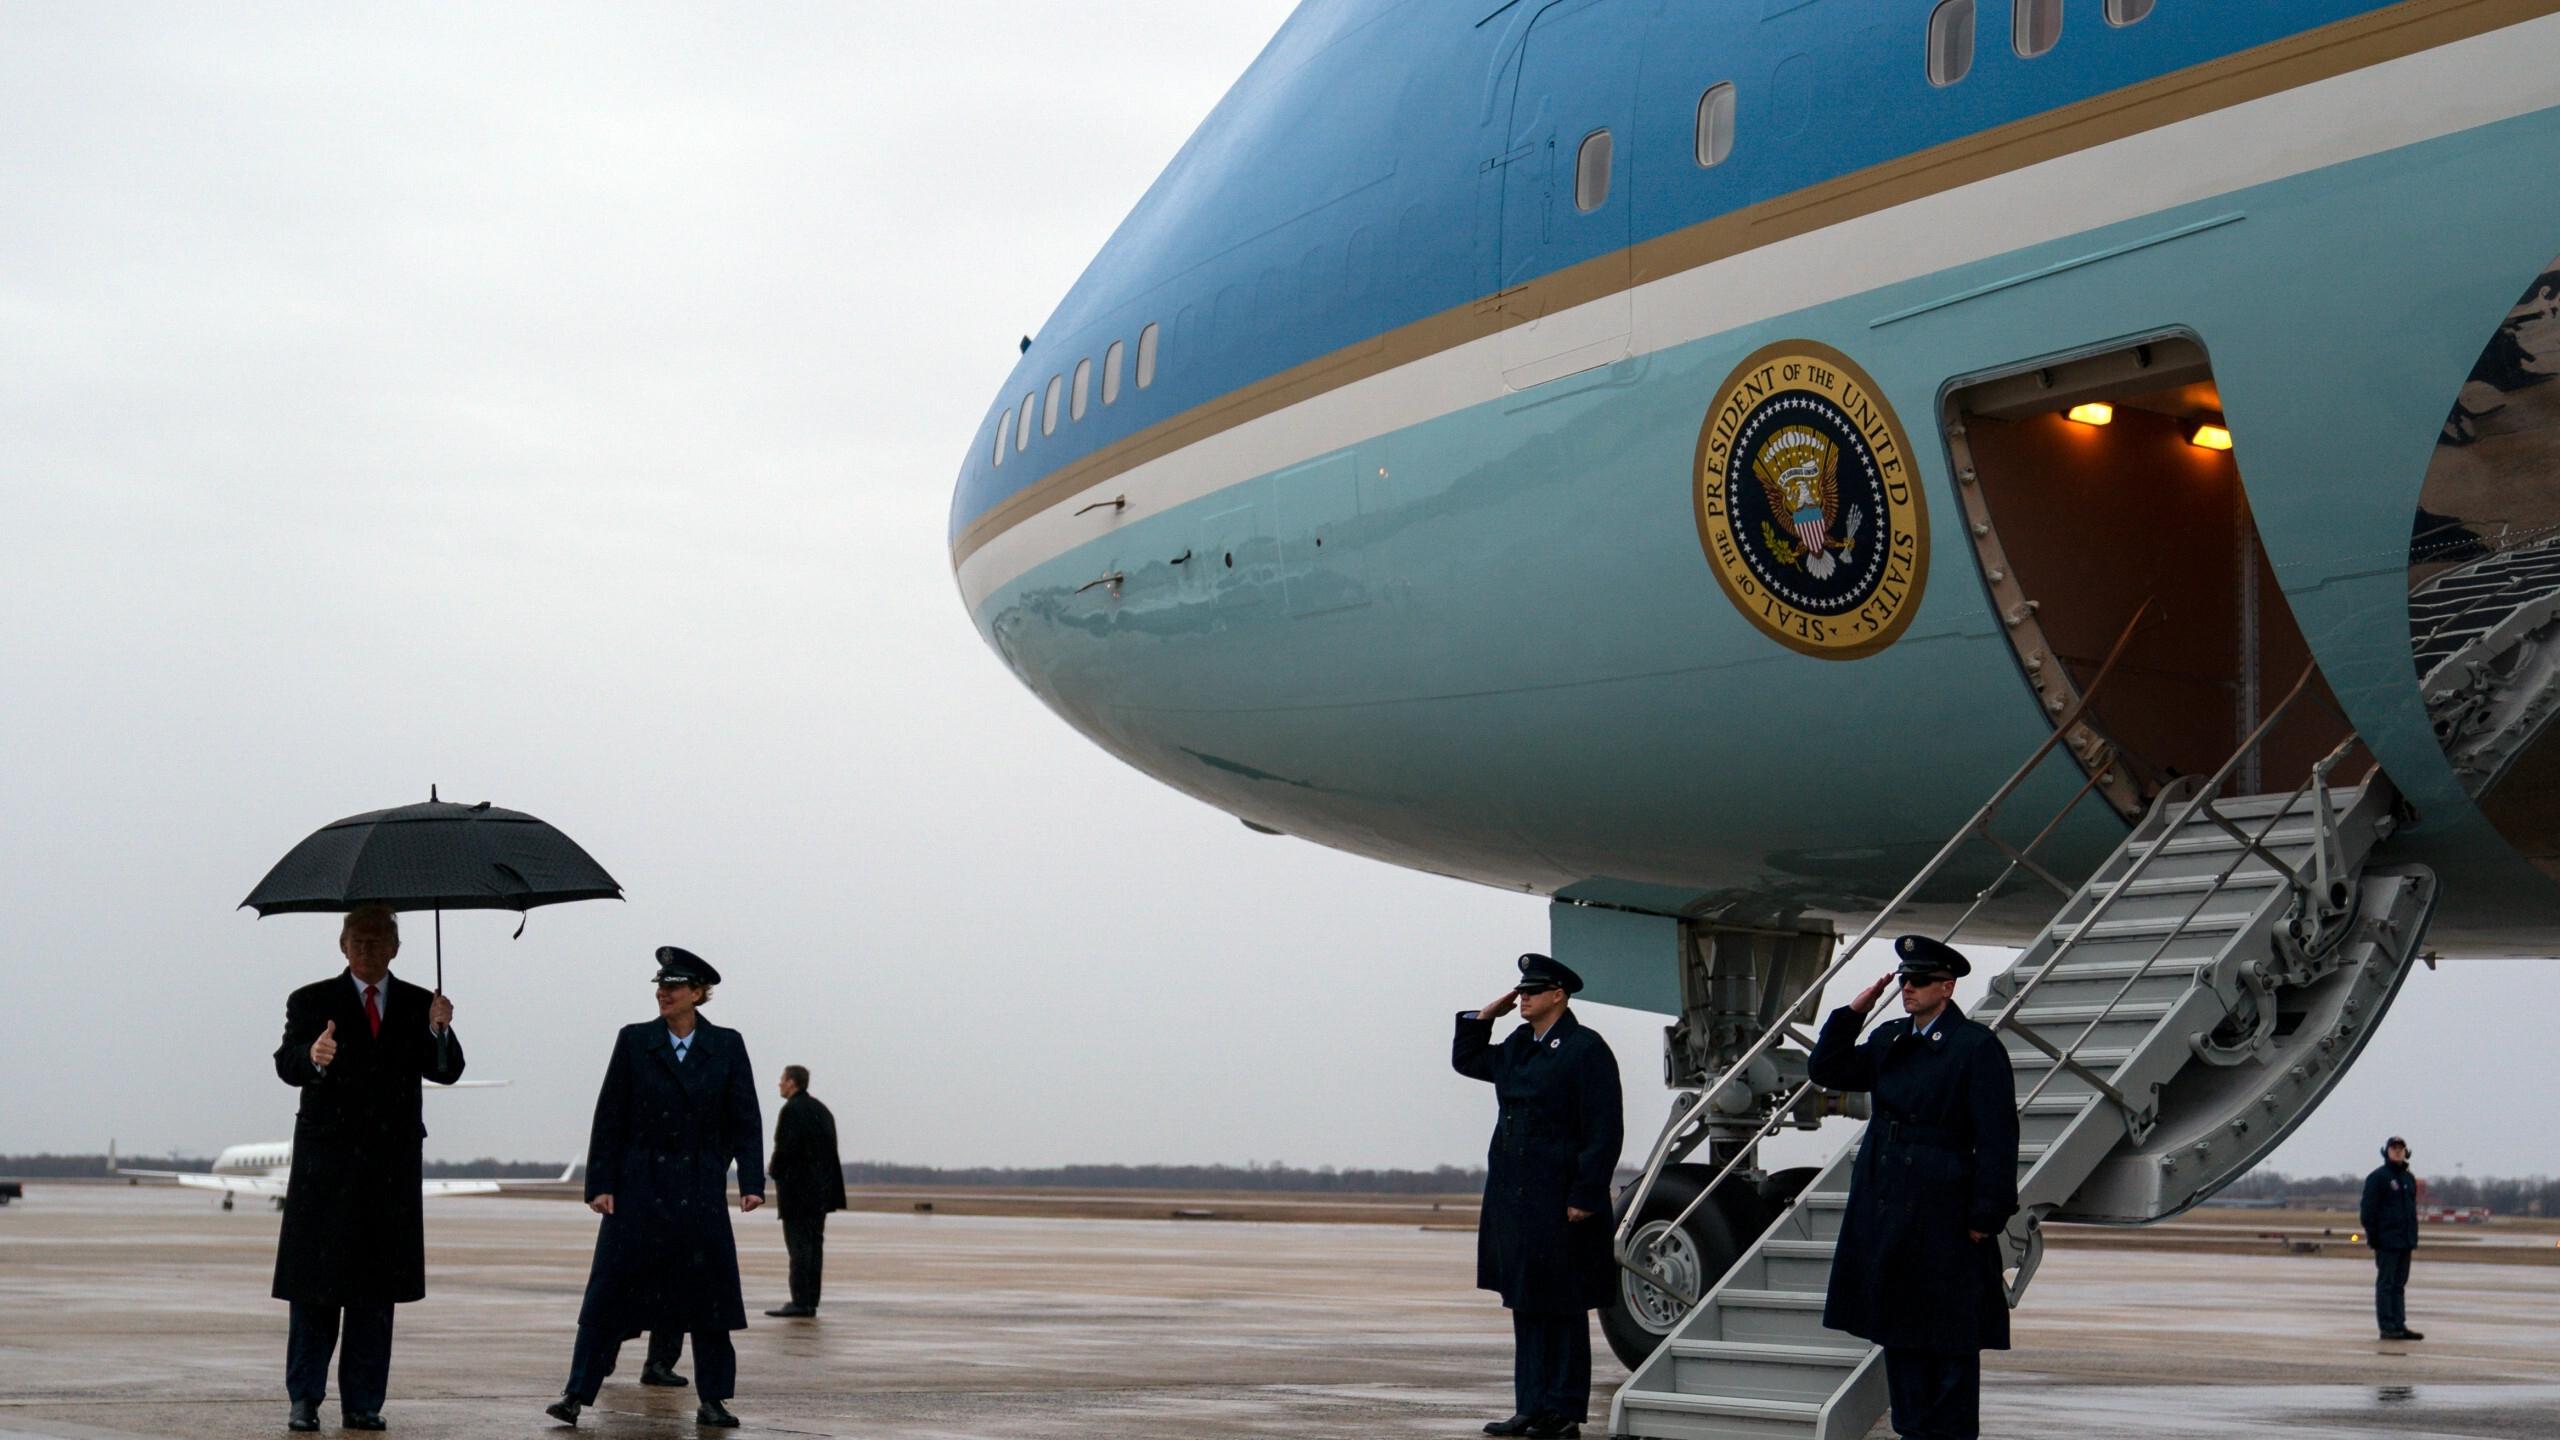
2186,1007
2486,639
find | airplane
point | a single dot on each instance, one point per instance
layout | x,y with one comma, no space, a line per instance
2062,474
265,1168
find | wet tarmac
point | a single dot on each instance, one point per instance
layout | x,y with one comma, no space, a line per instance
145,1312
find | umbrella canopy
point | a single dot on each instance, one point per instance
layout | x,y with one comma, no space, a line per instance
433,856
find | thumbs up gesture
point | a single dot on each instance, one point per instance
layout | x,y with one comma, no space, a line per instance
325,1049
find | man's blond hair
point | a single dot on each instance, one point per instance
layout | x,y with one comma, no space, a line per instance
367,914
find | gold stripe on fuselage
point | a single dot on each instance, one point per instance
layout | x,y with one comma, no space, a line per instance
2343,48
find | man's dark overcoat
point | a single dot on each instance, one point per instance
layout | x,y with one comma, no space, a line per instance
1556,1145
665,1135
353,1232
806,1169
2389,1208
1940,1159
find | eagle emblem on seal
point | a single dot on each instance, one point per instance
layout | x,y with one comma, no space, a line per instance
1799,470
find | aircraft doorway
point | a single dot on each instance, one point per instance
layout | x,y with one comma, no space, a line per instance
2096,486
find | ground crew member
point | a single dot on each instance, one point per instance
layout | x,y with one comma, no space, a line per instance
809,1175
2389,1215
1544,1240
1917,1268
678,1108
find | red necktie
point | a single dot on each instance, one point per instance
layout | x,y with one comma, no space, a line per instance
372,1012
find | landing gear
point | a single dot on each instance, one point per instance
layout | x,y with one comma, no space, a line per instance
1693,1256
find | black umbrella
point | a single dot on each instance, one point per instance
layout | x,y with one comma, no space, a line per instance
437,856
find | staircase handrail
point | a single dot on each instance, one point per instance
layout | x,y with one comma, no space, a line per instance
1980,821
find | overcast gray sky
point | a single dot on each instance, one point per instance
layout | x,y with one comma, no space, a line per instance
559,404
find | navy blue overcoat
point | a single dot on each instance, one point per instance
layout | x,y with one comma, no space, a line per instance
353,1230
665,1135
1940,1159
1555,1145
2389,1208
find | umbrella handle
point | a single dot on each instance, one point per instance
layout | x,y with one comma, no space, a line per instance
443,1037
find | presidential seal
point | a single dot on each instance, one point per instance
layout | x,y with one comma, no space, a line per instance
1808,503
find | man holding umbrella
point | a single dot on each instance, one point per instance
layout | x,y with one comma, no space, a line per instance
354,1243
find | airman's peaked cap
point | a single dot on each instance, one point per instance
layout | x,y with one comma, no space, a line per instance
1924,956
1542,972
684,967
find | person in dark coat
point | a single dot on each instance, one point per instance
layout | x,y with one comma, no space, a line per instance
678,1108
1543,1242
354,1243
1917,1267
2389,1215
810,1175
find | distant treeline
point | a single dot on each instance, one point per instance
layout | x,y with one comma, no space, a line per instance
2531,1195
1444,1180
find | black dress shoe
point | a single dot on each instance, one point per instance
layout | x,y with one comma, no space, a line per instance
564,1410
1516,1425
305,1416
654,1373
792,1312
1552,1429
2402,1335
713,1413
361,1420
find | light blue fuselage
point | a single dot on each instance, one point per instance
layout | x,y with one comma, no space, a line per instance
1481,638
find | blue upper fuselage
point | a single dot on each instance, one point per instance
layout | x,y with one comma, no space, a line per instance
1339,191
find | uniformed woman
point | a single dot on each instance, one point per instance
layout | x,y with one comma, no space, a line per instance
1917,1269
677,1109
1544,1239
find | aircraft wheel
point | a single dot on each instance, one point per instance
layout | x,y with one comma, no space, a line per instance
1641,1314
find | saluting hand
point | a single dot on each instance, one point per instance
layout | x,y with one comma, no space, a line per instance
1866,1000
1575,1217
439,1014
749,1202
1500,1007
325,1049
602,1204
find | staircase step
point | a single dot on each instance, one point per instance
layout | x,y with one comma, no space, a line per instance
2209,838
1742,1370
1797,1249
2076,968
2156,928
1781,1317
2041,1017
1727,1407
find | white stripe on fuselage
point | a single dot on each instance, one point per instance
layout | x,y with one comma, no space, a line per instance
2421,97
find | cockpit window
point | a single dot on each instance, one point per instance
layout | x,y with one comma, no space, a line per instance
1715,124
1111,370
1591,172
2129,12
2034,26
1950,42
1147,355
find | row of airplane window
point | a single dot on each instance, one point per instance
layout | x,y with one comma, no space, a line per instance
1044,404
2035,27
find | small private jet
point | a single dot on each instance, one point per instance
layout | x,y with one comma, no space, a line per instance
263,1168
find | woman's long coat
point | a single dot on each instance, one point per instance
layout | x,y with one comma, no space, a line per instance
665,1135
353,1232
1940,1159
1556,1145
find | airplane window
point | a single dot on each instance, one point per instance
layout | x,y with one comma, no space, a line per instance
1950,42
2129,12
1591,172
2034,25
1111,370
1084,389
1022,431
1147,355
1002,426
1715,124
1049,411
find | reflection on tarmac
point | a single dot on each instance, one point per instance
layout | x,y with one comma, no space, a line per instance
145,1312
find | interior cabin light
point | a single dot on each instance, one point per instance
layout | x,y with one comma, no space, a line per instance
2096,412
2210,437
